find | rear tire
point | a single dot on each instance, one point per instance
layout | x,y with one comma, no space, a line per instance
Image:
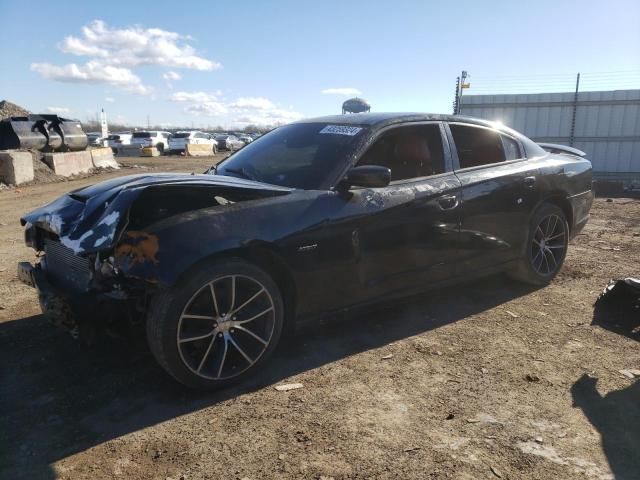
160,148
546,246
217,326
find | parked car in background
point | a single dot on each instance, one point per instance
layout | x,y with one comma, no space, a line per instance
152,138
95,139
317,217
119,139
246,139
178,141
229,142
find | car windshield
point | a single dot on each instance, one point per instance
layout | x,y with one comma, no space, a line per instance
181,135
142,135
301,155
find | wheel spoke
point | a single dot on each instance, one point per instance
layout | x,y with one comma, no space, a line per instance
249,332
555,262
557,235
215,299
555,246
242,322
235,344
206,354
233,293
193,339
248,301
539,230
552,229
224,357
201,317
544,256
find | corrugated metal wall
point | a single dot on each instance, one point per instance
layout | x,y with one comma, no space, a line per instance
607,124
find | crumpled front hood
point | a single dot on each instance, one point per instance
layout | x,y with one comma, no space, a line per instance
91,218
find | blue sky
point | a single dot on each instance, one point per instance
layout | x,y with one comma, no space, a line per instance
204,63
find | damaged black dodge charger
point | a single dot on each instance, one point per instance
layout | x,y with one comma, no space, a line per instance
314,217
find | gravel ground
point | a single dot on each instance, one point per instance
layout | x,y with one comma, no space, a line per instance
486,380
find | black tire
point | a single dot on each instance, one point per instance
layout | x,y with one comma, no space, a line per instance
169,319
160,148
548,228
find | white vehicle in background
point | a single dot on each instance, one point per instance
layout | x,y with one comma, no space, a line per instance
152,138
246,139
95,139
118,139
178,141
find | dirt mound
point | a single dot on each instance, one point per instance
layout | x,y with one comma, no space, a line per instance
8,109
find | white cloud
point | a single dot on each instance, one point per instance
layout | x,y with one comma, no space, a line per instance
341,91
109,99
252,103
113,52
58,109
197,97
132,46
171,75
93,72
207,109
249,110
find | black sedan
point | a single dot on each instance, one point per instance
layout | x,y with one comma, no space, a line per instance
312,218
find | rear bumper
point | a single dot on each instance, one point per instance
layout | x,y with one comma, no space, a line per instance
580,207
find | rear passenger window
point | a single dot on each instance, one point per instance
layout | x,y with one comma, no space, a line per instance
477,146
511,148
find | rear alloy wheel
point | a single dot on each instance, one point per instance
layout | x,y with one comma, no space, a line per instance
218,327
546,247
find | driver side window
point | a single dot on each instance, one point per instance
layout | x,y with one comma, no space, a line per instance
409,152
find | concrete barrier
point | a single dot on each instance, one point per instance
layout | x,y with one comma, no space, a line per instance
194,150
103,158
16,167
149,152
69,163
129,151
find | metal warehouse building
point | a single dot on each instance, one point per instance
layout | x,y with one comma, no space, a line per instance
604,124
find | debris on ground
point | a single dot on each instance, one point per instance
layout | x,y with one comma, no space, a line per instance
624,293
531,377
495,471
630,372
513,314
387,357
288,386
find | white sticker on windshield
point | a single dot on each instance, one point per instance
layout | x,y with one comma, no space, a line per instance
341,130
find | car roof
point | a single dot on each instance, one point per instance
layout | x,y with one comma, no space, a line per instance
379,120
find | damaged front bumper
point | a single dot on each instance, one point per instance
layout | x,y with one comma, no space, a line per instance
57,307
82,312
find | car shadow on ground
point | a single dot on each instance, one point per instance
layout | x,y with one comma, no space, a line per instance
616,416
59,397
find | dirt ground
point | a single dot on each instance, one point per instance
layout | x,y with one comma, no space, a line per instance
488,380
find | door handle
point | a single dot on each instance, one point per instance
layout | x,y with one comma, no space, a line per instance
529,182
448,202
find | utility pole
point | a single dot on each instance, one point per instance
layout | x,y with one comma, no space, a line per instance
463,85
148,122
575,108
455,98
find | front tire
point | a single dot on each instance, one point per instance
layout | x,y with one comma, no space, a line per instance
160,148
218,326
546,248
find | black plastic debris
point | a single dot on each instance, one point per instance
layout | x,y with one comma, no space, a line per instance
47,133
623,293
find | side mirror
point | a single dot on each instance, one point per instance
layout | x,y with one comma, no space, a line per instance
370,176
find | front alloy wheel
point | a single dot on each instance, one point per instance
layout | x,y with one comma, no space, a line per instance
218,325
226,327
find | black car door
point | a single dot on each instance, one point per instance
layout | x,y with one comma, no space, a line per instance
499,192
407,234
